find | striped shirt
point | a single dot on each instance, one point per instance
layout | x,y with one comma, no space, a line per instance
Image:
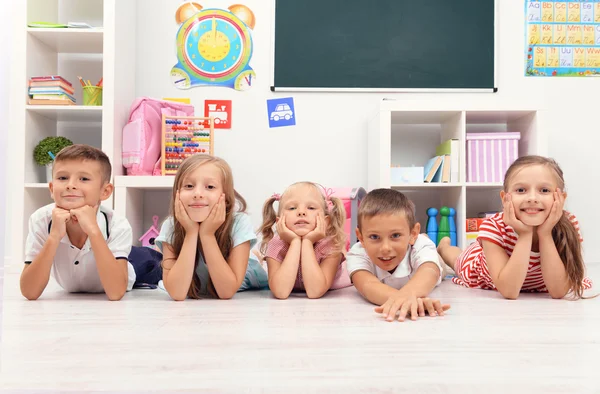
472,270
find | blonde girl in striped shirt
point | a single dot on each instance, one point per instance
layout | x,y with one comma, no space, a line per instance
533,245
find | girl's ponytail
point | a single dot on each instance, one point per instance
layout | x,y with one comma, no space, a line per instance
568,245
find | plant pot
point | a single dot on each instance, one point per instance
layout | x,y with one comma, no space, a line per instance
49,172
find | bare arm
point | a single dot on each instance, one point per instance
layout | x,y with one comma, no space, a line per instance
371,288
178,271
282,275
423,281
112,271
227,276
317,277
35,276
553,269
420,285
508,274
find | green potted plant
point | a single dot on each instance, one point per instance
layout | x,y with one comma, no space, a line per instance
46,150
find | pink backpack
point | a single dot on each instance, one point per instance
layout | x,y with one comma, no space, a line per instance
142,135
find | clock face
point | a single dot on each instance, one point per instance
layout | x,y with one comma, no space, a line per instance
180,78
245,80
214,45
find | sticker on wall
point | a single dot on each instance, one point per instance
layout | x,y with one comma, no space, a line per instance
562,38
281,112
220,111
214,47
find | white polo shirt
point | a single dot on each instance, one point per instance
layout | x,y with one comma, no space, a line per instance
75,269
421,252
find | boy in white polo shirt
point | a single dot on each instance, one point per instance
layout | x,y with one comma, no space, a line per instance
394,266
83,244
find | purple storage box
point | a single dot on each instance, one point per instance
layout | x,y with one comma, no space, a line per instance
490,154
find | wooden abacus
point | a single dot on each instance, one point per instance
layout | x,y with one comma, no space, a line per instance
184,136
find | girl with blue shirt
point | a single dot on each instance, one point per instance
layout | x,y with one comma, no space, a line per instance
207,240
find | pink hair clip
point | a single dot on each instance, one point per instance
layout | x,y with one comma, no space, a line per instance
327,192
276,196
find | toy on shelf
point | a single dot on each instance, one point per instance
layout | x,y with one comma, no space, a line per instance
184,136
148,238
446,228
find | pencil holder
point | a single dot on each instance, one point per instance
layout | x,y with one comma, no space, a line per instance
92,95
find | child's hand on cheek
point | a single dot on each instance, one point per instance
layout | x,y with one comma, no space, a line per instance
284,232
556,213
86,217
215,218
182,216
510,218
320,230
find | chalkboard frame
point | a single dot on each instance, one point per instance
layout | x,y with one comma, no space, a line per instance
275,88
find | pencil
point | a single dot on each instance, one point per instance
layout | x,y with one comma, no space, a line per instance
81,81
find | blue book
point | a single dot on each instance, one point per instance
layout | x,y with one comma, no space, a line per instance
433,169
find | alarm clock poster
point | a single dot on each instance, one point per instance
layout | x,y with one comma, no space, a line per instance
214,47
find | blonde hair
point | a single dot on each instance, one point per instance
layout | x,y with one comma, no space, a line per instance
564,233
336,214
386,202
86,152
223,233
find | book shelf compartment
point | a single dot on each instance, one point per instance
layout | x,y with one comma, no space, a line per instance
407,135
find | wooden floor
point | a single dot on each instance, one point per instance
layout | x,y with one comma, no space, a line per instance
255,343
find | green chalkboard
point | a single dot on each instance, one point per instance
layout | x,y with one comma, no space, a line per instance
384,44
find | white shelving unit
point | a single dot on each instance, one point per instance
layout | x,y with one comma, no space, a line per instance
101,52
70,40
405,134
139,198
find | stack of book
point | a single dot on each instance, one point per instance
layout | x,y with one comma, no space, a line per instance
50,90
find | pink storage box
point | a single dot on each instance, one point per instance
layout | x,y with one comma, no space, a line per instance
490,154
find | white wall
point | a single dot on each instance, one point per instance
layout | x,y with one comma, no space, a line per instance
266,160
5,36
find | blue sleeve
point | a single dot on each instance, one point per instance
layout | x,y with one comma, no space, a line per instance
166,234
242,230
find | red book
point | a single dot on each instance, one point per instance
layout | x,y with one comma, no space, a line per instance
50,78
52,84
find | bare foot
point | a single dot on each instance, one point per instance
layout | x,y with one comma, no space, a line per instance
444,242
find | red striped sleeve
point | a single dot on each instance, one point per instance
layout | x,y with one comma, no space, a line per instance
491,230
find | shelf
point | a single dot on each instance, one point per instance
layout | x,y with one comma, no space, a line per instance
36,185
146,182
495,117
67,40
422,117
432,185
485,185
71,113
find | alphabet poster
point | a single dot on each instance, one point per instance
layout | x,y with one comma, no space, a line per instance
563,38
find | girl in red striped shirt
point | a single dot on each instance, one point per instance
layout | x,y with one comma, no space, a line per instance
533,245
